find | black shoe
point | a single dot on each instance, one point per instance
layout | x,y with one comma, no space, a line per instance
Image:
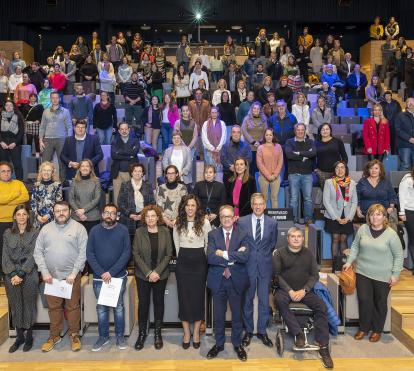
16,345
300,340
265,340
247,339
196,344
241,353
326,358
142,335
214,351
186,345
158,343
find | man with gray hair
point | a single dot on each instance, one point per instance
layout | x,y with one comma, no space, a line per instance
299,153
296,273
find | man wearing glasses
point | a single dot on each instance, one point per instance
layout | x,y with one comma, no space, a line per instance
12,193
108,252
60,254
227,278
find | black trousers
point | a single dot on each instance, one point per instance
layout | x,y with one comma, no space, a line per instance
144,295
409,224
372,303
15,157
315,303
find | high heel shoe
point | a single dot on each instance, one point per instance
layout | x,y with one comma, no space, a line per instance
186,345
196,344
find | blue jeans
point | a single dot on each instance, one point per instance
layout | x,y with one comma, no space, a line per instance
166,133
216,75
304,183
133,118
104,135
406,158
103,312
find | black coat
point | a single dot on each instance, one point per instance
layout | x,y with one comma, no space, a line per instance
123,154
246,192
126,202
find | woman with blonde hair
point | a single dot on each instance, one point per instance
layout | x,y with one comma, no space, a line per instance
221,87
378,254
301,110
376,134
46,192
85,195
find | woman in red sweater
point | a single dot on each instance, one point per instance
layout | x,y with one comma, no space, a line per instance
376,134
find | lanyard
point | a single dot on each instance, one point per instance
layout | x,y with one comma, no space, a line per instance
209,193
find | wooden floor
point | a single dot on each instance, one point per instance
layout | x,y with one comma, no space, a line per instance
378,364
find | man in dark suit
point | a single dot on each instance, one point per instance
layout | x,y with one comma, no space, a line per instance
262,231
78,147
356,83
227,278
346,67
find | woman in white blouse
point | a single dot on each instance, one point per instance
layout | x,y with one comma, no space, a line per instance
222,86
301,110
181,85
15,79
406,196
190,239
315,55
197,75
179,155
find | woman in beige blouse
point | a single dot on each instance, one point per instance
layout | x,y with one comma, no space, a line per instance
190,238
270,161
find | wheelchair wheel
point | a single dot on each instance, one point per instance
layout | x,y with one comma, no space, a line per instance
280,343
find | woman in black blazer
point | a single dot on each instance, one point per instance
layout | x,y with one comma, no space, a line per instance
134,195
240,188
152,251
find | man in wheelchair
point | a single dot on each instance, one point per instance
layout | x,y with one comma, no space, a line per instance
296,272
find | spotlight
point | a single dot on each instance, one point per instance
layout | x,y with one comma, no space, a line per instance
198,16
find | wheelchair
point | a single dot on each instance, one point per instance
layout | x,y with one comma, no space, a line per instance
305,318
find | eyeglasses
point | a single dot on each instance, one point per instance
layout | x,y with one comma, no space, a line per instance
110,213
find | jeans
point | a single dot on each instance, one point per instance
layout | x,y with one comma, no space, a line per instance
166,133
104,135
216,75
103,312
304,183
133,118
407,158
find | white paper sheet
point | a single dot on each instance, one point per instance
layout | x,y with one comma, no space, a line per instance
110,292
61,289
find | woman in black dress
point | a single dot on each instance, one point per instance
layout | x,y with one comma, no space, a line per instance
21,279
190,239
212,194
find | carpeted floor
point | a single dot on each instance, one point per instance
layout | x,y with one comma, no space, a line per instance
343,346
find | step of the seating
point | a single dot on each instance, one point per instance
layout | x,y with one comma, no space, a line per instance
4,325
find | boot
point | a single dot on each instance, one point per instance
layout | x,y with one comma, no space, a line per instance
158,344
142,335
19,340
29,340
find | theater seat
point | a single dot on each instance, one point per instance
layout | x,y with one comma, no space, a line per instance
390,163
396,177
348,120
342,111
355,175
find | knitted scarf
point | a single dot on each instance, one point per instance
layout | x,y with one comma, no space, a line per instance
214,136
9,122
337,182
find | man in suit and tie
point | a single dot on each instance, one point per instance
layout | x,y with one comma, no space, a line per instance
227,278
262,231
78,147
97,53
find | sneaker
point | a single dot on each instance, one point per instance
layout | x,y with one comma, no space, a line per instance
326,358
75,343
50,343
100,343
300,340
121,343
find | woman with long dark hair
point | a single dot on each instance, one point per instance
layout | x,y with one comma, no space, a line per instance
190,239
22,279
151,118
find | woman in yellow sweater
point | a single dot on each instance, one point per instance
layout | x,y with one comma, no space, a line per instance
12,193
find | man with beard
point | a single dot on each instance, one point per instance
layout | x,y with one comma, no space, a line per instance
108,252
60,254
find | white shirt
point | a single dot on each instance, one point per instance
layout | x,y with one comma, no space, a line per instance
177,159
254,222
165,115
195,78
406,194
225,253
206,143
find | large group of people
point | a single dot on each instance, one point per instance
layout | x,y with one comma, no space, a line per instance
254,130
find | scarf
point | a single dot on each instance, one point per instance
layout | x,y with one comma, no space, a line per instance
214,133
138,198
9,122
342,183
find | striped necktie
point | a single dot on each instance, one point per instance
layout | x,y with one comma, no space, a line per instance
258,237
227,273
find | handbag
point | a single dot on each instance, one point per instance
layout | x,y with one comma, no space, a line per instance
347,281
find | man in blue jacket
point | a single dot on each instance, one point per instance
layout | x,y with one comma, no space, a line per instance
78,147
108,252
282,123
227,278
262,231
356,83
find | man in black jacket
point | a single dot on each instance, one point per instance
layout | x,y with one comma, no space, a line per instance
296,273
299,153
404,129
124,152
134,104
36,74
391,109
274,69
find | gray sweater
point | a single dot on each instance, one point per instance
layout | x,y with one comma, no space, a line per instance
55,123
61,249
85,194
